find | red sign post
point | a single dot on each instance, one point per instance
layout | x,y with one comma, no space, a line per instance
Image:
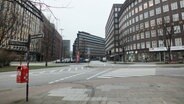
22,74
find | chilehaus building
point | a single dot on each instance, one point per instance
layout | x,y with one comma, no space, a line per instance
148,30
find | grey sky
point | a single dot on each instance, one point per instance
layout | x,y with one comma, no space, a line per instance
82,15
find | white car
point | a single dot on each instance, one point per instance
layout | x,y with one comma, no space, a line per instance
58,61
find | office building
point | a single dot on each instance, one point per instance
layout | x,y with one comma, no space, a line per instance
66,48
149,30
112,46
89,46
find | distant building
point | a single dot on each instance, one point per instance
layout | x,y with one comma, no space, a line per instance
112,44
88,45
66,49
51,44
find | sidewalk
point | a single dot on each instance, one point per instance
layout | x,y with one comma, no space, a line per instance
132,90
158,64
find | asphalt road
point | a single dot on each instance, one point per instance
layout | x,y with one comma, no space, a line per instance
81,72
98,83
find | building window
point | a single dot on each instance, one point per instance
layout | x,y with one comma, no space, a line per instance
133,12
134,37
165,8
141,25
142,45
138,45
159,21
137,18
138,37
152,13
137,27
142,35
147,34
150,3
152,22
175,17
141,16
157,1
140,8
136,10
153,33
116,14
140,1
145,5
158,10
135,2
154,44
116,26
146,24
182,15
160,32
174,6
146,15
177,29
130,14
133,20
182,3
134,47
166,19
160,43
116,9
148,45
178,42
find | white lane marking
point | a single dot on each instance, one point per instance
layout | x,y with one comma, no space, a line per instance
98,74
52,71
76,69
13,75
82,68
61,70
69,69
66,78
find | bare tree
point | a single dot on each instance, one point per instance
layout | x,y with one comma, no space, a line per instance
7,20
168,32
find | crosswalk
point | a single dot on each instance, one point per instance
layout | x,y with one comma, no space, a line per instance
56,71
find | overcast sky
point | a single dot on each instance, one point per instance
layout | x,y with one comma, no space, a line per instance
81,15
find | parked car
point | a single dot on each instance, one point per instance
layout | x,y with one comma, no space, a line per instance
86,60
58,61
104,59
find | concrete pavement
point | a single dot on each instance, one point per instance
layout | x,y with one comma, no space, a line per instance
131,90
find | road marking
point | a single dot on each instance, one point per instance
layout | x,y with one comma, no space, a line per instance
13,75
52,71
98,74
66,78
76,69
69,69
61,70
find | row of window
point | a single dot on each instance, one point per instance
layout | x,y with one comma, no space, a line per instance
145,15
131,10
151,23
153,44
150,13
151,34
